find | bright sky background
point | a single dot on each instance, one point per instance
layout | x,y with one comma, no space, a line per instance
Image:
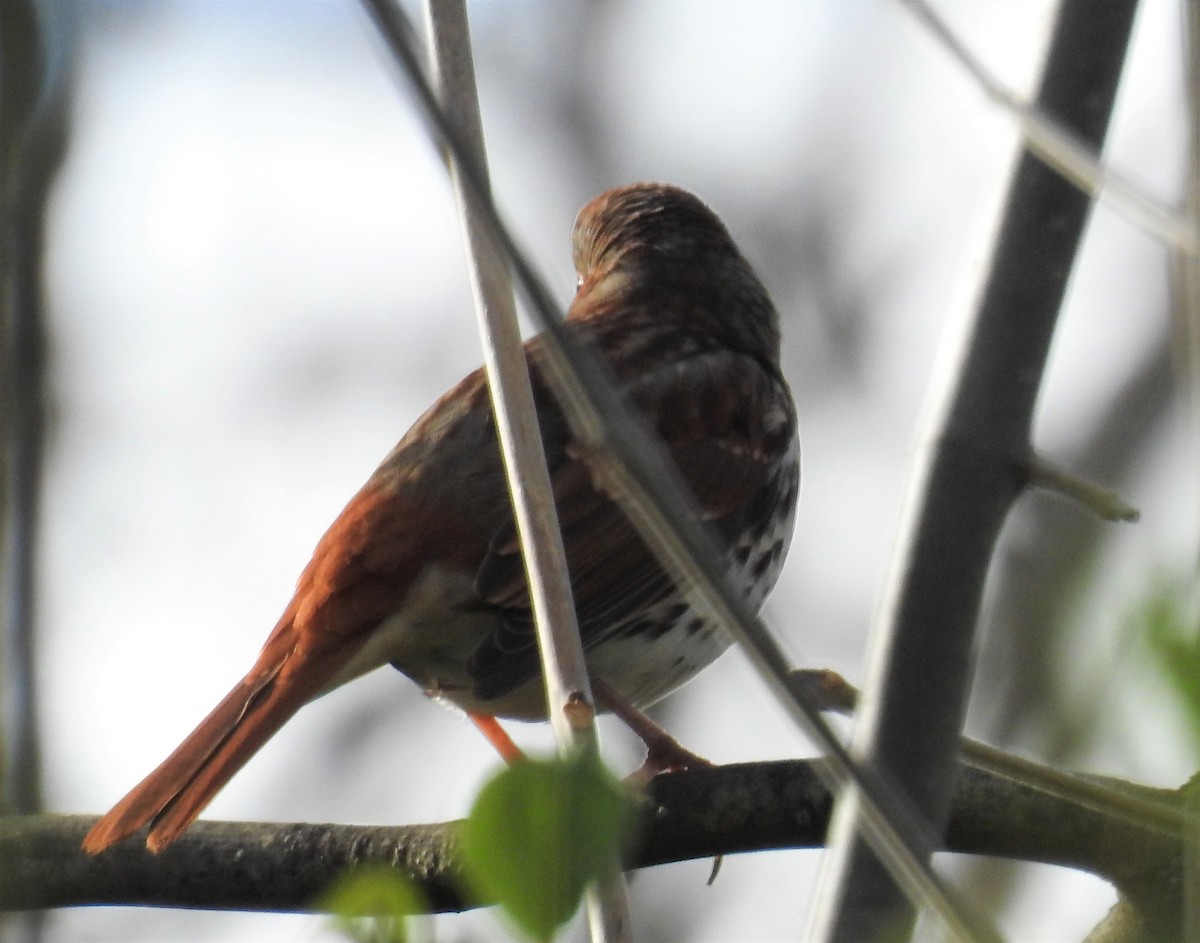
256,285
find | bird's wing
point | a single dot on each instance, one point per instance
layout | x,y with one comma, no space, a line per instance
724,421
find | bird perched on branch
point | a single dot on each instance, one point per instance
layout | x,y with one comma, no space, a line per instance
422,570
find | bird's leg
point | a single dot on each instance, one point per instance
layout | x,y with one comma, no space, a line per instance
498,737
663,752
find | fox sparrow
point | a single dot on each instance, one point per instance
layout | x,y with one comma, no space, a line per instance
423,570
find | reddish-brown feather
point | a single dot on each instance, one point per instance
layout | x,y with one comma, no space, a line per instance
163,786
313,640
302,674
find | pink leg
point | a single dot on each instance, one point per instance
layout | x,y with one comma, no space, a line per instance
663,752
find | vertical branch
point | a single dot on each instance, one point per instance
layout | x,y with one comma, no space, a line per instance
568,692
33,87
32,138
972,464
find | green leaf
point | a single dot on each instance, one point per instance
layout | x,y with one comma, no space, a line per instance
540,832
371,904
1171,634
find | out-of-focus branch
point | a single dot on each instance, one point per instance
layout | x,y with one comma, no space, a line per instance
1062,148
35,42
1092,792
689,815
1040,580
972,464
1185,266
33,89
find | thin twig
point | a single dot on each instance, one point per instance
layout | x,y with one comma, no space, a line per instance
648,491
1103,502
1063,150
1102,795
563,665
512,395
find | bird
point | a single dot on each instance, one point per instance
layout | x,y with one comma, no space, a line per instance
422,569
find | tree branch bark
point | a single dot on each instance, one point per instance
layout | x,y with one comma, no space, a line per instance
693,814
973,462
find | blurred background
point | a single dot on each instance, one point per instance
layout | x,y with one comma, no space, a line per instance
255,284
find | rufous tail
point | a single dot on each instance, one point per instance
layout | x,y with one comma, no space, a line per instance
169,799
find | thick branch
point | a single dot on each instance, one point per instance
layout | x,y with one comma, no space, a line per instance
695,814
970,468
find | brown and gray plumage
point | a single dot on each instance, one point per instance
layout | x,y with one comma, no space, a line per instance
422,569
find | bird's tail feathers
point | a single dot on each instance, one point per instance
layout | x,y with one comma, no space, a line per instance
170,798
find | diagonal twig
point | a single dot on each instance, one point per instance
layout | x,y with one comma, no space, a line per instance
1064,150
